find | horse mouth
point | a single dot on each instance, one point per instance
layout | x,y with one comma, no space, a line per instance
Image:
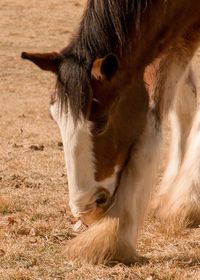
94,212
102,201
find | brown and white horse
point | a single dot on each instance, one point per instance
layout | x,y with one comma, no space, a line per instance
110,119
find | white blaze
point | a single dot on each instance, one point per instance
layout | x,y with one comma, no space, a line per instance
80,160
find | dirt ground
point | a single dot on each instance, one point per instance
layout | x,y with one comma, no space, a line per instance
35,221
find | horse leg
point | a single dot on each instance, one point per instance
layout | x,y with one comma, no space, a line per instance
179,195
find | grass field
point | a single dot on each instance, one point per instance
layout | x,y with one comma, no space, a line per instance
35,220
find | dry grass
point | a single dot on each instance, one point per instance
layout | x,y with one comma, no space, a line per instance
35,222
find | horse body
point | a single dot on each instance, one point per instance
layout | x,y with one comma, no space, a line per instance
109,127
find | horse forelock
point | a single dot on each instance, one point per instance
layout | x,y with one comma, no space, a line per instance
73,86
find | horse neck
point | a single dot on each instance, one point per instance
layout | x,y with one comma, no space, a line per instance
162,24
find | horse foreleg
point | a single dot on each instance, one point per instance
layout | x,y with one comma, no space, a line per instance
179,199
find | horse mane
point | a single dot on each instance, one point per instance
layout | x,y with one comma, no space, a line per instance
105,28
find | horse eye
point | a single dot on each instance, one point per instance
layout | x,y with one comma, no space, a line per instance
101,199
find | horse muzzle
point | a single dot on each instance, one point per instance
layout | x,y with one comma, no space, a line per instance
93,212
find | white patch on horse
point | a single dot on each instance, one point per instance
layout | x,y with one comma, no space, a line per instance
80,161
174,153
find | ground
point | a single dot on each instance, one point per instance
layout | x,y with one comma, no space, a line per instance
35,220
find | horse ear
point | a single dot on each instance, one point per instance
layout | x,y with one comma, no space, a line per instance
105,68
46,61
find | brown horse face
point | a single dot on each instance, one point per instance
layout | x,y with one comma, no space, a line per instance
97,143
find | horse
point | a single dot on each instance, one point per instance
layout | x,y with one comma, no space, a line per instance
110,118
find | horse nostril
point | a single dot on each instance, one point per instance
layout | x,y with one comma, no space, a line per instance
102,199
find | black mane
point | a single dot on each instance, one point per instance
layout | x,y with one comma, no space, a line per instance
104,29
